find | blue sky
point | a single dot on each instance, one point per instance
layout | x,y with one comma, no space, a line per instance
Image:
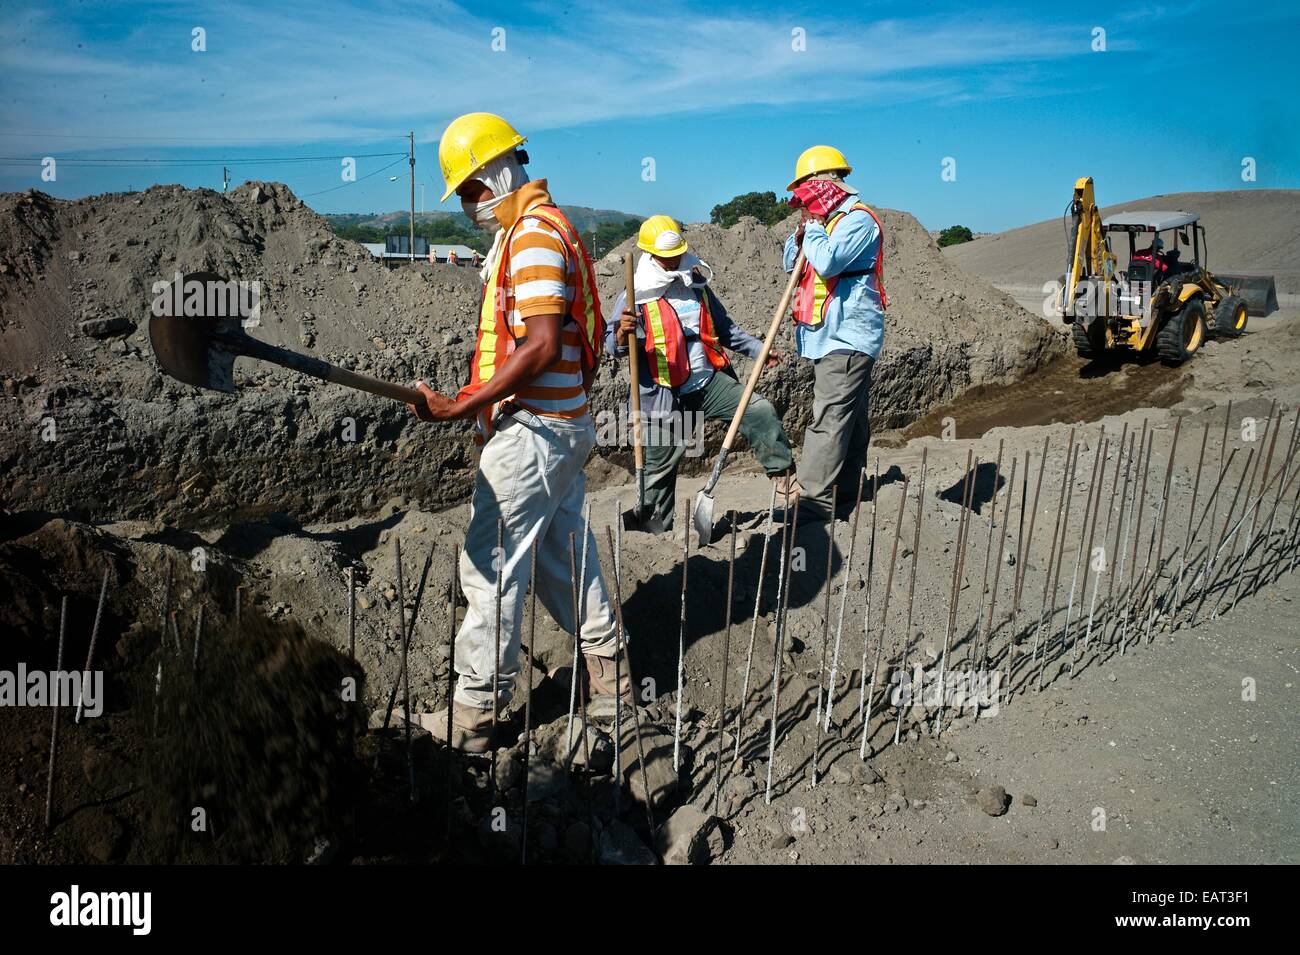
717,95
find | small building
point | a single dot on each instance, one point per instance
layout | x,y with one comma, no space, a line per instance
394,250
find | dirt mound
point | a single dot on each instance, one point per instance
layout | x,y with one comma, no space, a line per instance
944,332
93,429
1249,231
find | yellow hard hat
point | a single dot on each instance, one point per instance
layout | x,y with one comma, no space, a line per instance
469,143
818,159
662,236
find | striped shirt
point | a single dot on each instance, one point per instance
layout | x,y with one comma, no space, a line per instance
540,280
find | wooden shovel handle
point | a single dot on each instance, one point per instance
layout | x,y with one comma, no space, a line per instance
795,274
629,302
242,344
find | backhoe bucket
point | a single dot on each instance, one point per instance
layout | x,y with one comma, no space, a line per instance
1259,291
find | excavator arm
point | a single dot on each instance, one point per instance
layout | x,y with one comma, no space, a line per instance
1087,255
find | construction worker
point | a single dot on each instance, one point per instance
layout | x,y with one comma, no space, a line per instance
681,329
840,322
539,331
452,257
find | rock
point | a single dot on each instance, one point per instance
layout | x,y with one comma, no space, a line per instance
658,746
508,771
951,757
1028,800
546,780
98,768
839,773
104,327
550,742
780,842
739,785
102,836
684,838
620,845
866,774
896,802
993,800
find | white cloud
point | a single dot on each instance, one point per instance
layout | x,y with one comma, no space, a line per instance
340,72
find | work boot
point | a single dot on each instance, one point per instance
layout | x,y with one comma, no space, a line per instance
782,481
471,727
601,674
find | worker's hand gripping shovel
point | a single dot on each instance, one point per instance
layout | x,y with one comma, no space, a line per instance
702,513
636,519
200,350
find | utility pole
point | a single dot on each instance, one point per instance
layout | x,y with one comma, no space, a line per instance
411,250
225,179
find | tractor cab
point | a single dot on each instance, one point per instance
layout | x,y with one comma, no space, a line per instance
1160,245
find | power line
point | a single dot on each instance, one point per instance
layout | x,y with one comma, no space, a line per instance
246,161
26,134
355,181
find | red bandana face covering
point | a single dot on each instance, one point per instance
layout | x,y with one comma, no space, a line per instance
818,196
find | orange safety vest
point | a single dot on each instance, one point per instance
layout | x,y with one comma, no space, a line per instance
496,340
665,341
815,291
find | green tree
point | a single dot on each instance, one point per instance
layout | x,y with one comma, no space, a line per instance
610,234
955,235
763,206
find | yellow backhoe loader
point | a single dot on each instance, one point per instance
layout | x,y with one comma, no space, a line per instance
1163,302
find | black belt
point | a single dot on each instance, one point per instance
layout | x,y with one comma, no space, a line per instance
857,273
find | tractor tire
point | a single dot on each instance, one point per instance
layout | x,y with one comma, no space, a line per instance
1089,341
1230,317
1183,335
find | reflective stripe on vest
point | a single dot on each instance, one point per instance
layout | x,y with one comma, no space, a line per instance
496,340
815,292
665,341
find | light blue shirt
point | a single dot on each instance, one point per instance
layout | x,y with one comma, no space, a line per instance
854,317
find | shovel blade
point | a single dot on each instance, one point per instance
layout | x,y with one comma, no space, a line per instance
702,518
636,520
185,350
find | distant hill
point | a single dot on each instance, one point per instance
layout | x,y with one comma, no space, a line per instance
1248,231
584,218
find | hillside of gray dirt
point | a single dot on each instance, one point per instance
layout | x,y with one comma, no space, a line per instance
1248,231
89,427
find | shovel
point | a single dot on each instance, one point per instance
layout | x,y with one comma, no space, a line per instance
702,514
636,519
201,351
